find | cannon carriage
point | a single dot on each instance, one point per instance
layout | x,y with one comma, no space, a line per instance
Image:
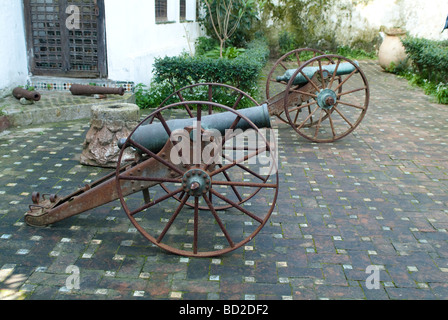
204,180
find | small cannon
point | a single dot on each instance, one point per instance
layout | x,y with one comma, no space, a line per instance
87,90
323,97
20,93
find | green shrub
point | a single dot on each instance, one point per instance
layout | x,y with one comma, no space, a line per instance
428,57
427,68
242,72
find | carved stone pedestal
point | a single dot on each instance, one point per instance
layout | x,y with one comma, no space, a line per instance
108,125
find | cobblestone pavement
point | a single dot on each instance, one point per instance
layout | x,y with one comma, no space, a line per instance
379,197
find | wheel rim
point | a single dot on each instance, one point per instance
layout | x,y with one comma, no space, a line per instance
186,230
339,103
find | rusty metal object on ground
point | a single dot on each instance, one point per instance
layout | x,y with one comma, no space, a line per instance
87,90
109,124
20,93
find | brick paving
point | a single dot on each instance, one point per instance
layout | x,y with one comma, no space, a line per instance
379,197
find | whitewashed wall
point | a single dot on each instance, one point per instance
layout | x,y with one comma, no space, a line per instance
13,59
134,39
421,18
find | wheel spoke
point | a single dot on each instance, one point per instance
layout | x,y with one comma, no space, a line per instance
307,118
319,123
237,206
153,155
345,80
233,187
333,77
218,220
351,105
164,124
173,217
308,94
333,131
238,100
196,225
343,117
310,81
351,91
302,106
245,168
181,98
236,162
245,184
321,74
154,202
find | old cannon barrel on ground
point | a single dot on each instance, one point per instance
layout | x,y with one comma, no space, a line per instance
80,90
20,93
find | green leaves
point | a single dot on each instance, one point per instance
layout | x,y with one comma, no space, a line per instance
241,69
429,57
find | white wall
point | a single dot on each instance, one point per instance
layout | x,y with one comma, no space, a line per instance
134,40
363,19
13,59
421,18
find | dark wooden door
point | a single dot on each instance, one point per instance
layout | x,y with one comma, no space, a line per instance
66,38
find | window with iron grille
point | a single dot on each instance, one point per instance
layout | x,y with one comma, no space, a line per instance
59,48
161,10
183,10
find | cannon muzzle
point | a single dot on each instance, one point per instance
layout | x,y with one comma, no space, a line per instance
20,93
343,69
154,137
83,90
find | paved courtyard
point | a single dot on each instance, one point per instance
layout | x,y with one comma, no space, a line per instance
362,218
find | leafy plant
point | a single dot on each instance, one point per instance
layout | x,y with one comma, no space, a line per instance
225,19
173,73
228,53
427,68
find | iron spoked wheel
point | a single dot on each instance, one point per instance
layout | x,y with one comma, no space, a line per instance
211,92
337,104
186,230
292,60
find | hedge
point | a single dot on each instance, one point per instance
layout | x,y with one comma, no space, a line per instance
429,57
243,72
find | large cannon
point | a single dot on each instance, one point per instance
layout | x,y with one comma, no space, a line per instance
200,162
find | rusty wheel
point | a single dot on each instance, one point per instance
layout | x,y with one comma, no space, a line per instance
337,98
292,60
211,92
215,183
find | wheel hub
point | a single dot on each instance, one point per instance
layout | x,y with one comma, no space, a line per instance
196,182
326,99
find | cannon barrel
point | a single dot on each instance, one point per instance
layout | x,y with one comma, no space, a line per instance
154,136
343,69
20,93
81,90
